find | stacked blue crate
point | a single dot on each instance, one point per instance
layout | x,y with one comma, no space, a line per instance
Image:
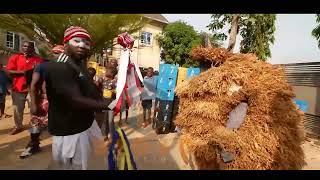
167,81
165,96
192,72
303,105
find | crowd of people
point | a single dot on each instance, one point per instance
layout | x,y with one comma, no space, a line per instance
67,99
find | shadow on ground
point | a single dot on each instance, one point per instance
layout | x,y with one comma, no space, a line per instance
10,152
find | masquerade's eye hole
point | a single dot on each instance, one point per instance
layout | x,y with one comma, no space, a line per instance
76,40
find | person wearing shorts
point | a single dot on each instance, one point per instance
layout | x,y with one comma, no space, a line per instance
148,95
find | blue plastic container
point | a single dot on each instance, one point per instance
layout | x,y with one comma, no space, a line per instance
166,82
303,105
165,94
168,70
192,72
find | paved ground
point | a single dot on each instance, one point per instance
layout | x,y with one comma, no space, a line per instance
151,151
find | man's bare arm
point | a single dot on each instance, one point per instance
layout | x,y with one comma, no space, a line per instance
17,73
34,91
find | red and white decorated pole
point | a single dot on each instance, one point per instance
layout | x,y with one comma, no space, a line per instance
129,82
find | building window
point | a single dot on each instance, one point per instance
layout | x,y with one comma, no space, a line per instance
10,40
13,41
17,42
146,38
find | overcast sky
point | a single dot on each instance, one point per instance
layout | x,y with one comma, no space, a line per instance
293,40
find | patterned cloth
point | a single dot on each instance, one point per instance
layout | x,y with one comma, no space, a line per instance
75,31
40,121
125,40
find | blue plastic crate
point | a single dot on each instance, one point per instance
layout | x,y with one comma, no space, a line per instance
166,82
172,72
193,72
168,70
165,94
303,105
162,68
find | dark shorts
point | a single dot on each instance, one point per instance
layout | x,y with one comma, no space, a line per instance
147,104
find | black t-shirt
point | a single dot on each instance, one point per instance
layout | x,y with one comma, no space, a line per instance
63,119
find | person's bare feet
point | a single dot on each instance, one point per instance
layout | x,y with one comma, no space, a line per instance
16,131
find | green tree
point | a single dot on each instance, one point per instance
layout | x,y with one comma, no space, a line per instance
207,39
50,28
177,40
257,31
316,30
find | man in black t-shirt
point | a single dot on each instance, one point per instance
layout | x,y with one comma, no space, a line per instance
73,100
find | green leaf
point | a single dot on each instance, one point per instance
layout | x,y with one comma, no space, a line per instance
102,27
177,40
257,31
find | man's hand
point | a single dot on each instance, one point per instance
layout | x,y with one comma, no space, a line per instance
101,147
33,109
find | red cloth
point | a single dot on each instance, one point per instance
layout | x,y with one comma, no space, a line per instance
125,40
75,31
41,120
18,62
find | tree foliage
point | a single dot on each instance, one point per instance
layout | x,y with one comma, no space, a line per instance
177,40
50,28
316,30
215,42
257,31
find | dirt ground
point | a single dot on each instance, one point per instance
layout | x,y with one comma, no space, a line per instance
151,151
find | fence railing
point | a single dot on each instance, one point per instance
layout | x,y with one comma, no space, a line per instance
303,74
306,74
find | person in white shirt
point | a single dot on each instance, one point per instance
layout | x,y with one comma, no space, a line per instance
148,95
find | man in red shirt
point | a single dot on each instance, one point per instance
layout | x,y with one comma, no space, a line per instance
18,66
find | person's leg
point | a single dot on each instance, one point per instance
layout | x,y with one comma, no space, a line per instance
19,100
106,122
2,107
144,115
111,123
149,107
149,115
120,118
155,108
34,144
127,115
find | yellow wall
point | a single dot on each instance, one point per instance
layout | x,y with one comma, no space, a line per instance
145,56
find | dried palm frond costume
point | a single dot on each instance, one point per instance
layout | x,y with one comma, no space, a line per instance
270,136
